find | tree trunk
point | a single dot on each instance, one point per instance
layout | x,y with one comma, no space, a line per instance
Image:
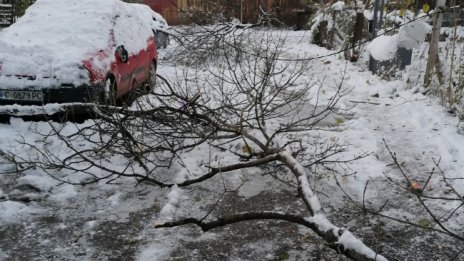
449,90
357,35
433,60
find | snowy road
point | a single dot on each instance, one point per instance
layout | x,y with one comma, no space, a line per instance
42,218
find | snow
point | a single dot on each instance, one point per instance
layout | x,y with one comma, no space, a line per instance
38,45
412,35
252,189
323,223
153,253
64,193
415,126
11,212
346,239
158,23
369,15
304,184
338,6
47,109
383,47
174,198
351,242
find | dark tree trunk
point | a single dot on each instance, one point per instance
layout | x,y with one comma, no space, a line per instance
357,36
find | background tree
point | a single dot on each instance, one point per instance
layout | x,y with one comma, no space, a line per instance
433,61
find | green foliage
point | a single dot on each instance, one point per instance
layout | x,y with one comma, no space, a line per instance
20,6
423,222
333,27
283,255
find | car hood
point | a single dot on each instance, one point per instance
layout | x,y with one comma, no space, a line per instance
30,60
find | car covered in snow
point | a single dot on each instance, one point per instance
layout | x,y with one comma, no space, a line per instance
64,51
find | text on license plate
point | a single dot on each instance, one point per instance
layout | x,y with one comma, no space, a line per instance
21,95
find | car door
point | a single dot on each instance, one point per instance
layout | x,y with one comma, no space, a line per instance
125,54
143,57
145,60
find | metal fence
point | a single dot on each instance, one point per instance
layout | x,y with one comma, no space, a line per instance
290,12
452,16
6,15
10,10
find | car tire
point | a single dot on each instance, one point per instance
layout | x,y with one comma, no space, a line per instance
109,92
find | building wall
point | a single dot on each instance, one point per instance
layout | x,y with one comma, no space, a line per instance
194,11
167,8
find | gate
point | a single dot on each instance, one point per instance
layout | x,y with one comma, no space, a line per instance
6,15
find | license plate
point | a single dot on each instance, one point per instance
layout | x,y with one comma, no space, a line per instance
21,95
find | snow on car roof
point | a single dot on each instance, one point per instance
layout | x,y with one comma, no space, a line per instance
157,21
55,35
147,9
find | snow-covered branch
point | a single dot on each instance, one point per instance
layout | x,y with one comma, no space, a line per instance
346,242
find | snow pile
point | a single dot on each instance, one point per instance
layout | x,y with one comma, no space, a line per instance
412,35
384,47
168,211
11,211
54,37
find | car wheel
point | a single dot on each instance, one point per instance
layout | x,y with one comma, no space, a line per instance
151,79
109,94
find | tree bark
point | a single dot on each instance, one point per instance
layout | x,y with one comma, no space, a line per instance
357,35
433,60
320,225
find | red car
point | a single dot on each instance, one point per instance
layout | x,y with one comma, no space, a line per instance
65,51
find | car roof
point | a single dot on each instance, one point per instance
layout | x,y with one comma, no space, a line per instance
63,22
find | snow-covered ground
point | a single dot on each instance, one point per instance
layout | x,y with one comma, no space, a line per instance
41,218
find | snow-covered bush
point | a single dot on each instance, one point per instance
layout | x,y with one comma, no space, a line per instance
333,26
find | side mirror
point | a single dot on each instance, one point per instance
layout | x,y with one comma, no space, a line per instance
122,54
